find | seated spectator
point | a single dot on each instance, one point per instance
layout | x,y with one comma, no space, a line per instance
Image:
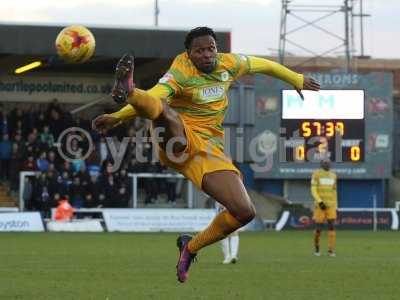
15,167
4,128
110,190
5,157
90,201
102,200
122,198
52,158
76,193
42,163
29,164
66,167
47,138
18,139
63,183
94,188
123,178
32,144
41,121
83,175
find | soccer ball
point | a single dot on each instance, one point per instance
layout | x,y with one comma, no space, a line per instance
75,44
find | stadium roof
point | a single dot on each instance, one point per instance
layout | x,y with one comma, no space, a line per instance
22,43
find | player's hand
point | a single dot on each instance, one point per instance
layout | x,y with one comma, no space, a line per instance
309,84
322,205
104,122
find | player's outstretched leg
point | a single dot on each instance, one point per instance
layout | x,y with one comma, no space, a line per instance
124,91
185,257
123,85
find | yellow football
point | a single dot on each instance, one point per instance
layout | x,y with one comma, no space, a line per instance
75,44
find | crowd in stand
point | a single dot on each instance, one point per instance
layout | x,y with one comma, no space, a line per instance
29,143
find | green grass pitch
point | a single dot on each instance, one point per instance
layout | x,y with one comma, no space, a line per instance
142,266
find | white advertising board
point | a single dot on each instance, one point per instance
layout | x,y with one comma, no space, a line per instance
75,226
16,222
148,220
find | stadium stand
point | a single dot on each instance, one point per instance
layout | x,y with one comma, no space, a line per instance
28,143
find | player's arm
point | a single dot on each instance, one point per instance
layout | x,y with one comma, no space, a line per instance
271,68
314,192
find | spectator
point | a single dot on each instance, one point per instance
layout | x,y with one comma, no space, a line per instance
32,144
55,123
83,175
4,128
41,121
66,167
90,201
76,193
27,193
94,188
18,139
42,199
52,158
47,138
42,163
5,157
63,183
16,121
15,166
123,178
29,164
110,189
122,198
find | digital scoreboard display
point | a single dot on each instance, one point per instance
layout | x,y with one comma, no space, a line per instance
326,124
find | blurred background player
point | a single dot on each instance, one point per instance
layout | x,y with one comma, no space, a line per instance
229,245
191,142
323,189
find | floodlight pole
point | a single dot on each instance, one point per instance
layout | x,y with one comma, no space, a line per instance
347,10
156,12
292,9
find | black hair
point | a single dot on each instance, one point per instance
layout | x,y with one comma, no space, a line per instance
196,32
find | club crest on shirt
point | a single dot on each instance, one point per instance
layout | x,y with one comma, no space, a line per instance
225,76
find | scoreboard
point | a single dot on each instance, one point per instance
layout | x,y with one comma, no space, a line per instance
349,121
327,124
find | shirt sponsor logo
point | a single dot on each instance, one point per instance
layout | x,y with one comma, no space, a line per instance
326,181
212,92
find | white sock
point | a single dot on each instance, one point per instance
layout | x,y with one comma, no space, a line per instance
234,241
225,248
